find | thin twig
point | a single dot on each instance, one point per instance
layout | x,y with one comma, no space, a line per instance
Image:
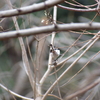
73,44
55,96
92,85
81,68
24,55
15,94
78,50
78,10
58,87
80,5
45,95
34,70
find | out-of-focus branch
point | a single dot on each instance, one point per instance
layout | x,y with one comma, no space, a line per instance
15,94
83,90
78,10
24,54
80,5
49,28
76,60
50,54
29,9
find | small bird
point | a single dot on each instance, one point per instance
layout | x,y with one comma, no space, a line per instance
55,52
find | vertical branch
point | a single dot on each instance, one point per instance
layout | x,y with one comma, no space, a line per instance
52,42
50,55
37,63
54,21
76,60
24,54
53,36
34,68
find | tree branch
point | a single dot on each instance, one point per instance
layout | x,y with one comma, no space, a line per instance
48,29
15,94
29,9
24,54
83,90
78,10
76,60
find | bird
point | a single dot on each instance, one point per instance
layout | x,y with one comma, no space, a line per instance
55,52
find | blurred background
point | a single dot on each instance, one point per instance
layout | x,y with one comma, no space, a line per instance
12,74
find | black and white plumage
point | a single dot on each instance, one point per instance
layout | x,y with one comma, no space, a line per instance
55,52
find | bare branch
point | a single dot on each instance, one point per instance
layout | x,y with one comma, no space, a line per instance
24,54
78,10
29,9
76,60
25,98
80,5
83,90
50,54
49,28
